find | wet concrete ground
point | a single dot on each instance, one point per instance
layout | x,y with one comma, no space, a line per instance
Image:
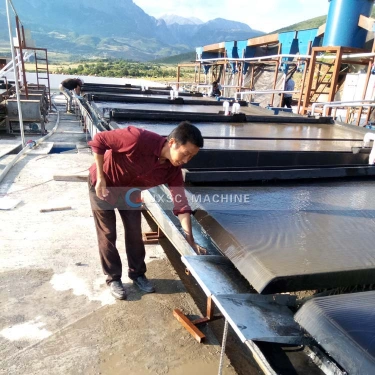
56,313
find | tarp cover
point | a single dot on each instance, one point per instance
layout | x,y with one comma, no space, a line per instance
344,325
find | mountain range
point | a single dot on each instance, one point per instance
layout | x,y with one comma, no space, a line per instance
93,28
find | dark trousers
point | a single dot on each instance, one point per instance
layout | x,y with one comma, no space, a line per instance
287,101
105,223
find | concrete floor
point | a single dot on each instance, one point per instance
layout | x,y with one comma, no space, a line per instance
56,313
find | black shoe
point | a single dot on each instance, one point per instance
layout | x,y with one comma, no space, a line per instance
144,284
70,112
117,289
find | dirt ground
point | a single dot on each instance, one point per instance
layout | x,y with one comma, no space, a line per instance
56,313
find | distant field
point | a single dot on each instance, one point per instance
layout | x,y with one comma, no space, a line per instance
163,73
30,67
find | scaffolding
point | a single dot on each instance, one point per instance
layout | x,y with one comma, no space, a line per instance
36,97
323,69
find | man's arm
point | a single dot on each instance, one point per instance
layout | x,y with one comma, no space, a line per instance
182,209
185,221
101,186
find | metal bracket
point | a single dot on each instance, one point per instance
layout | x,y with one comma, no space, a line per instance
191,325
152,238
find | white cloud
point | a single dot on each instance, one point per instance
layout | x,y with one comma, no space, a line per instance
266,15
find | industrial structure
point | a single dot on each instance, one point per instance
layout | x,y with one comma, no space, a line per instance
283,201
336,62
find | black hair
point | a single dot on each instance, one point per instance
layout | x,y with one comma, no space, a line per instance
187,132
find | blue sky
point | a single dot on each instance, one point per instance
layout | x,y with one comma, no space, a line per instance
264,15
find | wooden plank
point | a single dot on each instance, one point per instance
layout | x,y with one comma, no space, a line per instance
321,30
325,49
214,47
65,208
188,325
262,40
366,23
71,178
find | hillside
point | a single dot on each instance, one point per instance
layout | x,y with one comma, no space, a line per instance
93,29
311,23
178,59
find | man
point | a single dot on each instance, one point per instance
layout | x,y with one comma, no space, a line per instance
68,85
287,98
127,161
216,89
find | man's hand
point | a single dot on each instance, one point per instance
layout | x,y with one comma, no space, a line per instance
101,188
199,249
185,220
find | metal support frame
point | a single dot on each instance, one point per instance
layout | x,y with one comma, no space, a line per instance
43,70
368,74
307,67
276,74
191,325
316,80
21,45
188,65
15,73
152,238
178,77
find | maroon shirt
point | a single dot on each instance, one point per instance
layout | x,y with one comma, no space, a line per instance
132,159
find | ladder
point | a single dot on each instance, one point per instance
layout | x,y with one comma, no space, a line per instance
322,77
42,71
322,84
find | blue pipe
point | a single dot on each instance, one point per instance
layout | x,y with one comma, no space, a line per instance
342,28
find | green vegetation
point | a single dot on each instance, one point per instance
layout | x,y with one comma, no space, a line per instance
177,59
312,23
124,68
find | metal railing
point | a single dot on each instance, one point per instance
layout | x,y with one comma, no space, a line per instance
242,93
326,106
92,122
355,103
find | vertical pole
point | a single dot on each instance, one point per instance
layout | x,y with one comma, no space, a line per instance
372,93
347,118
225,335
336,69
199,73
241,77
252,78
224,77
306,101
178,77
210,308
20,45
365,91
307,66
276,73
15,74
251,83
